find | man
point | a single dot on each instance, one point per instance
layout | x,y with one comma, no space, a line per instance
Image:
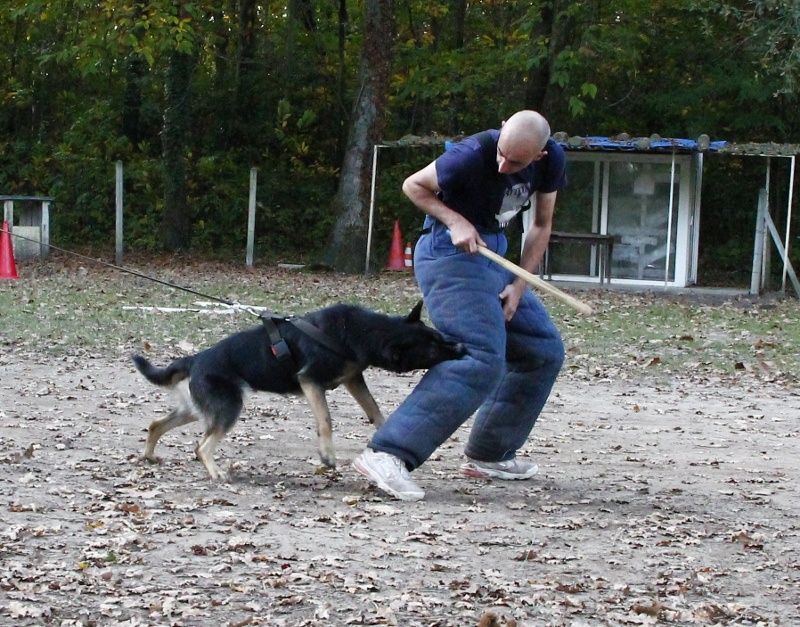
469,194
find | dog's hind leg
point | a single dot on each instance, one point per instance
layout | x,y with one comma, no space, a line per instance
219,401
358,390
315,395
176,418
205,453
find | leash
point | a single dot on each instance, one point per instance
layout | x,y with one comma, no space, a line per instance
136,273
279,346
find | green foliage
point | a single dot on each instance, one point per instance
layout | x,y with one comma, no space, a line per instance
278,97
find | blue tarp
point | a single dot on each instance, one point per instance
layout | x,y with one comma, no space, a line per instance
639,144
634,144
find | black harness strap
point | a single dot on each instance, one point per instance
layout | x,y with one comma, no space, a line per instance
326,340
281,349
279,346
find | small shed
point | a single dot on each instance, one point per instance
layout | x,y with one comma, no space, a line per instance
30,232
643,196
630,214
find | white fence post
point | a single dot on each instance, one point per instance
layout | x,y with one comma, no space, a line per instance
758,246
119,191
251,216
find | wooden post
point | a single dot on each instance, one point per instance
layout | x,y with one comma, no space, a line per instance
44,244
669,220
119,191
776,239
788,224
758,247
766,252
251,216
371,204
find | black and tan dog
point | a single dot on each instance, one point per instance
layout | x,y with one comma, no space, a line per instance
322,350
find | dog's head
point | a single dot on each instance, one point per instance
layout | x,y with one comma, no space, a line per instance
416,346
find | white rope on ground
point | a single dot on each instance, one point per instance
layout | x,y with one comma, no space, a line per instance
203,307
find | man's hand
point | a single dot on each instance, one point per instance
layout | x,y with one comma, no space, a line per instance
464,235
510,296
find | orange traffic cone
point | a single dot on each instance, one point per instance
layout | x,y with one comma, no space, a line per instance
408,257
8,268
396,251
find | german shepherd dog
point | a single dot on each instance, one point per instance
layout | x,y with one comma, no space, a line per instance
333,346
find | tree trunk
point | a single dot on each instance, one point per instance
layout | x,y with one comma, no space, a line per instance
176,219
539,75
341,82
347,241
246,106
558,28
135,72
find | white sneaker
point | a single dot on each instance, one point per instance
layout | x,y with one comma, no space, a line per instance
389,473
513,469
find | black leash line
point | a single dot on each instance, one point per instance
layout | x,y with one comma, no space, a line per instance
128,270
266,317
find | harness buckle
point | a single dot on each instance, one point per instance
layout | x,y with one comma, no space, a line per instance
281,350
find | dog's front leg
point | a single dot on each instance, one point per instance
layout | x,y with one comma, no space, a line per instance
358,390
315,395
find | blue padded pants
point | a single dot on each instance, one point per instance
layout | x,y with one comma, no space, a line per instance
507,375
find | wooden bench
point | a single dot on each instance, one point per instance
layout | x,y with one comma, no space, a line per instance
604,251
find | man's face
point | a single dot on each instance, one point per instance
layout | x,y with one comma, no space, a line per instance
514,155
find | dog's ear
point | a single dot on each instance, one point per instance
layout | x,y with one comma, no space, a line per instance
416,313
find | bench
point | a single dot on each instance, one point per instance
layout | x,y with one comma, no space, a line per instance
604,251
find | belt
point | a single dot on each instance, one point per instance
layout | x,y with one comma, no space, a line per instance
428,229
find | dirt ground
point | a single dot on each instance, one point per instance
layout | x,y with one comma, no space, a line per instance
675,504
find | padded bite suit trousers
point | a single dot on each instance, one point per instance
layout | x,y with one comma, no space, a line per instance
507,374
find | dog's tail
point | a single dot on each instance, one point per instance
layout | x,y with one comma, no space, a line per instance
168,377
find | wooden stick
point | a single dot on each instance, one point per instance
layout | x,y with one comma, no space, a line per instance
535,281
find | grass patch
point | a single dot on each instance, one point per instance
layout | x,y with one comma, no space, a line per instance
58,308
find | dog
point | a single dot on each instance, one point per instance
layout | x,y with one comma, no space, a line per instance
311,355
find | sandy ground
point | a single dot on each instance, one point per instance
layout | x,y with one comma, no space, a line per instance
676,505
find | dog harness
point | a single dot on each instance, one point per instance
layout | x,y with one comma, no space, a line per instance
281,349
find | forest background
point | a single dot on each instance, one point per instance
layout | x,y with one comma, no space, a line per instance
190,95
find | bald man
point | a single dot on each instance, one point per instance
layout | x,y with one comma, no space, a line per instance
469,195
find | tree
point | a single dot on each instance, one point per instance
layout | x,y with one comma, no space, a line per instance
772,30
175,221
348,238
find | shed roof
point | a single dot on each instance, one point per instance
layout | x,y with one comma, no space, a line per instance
625,143
657,144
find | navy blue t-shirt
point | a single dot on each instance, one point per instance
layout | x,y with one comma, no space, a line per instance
487,199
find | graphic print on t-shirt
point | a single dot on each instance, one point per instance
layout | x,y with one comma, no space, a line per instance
512,203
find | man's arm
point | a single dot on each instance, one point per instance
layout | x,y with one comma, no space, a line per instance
538,237
421,188
533,248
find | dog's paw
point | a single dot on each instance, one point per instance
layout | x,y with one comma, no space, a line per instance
327,470
490,619
220,476
328,459
150,459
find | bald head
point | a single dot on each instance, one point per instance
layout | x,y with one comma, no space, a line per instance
522,141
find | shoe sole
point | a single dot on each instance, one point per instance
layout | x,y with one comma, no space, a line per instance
403,496
470,471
